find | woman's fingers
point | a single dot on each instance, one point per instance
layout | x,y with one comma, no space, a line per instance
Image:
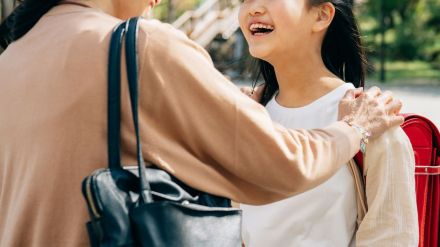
372,110
358,91
386,97
352,94
394,107
349,95
373,92
395,121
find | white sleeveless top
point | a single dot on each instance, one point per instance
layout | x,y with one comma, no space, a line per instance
324,216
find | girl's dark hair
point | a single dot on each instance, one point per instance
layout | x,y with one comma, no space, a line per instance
23,18
342,51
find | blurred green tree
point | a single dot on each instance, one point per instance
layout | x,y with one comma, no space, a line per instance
170,10
410,29
410,26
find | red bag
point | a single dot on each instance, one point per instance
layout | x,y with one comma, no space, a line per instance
425,140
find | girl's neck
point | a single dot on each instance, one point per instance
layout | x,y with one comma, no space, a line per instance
301,83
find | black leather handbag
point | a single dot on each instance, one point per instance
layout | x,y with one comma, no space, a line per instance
146,206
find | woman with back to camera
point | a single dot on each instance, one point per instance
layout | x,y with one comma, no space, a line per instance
283,34
195,123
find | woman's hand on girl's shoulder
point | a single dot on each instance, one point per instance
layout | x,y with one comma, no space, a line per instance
373,110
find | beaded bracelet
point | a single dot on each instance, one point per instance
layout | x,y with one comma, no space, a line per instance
365,135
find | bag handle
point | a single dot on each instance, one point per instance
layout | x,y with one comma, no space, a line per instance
130,29
114,98
132,75
361,198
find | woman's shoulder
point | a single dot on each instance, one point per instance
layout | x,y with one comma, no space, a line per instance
160,32
166,40
153,26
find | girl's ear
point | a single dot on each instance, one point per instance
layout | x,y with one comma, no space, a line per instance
325,13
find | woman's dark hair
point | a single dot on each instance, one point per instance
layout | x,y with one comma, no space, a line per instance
342,51
23,18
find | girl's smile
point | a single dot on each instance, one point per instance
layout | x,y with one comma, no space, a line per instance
260,29
273,27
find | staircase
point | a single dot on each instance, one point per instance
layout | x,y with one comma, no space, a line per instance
211,19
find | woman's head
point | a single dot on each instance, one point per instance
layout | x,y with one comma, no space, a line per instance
27,14
284,30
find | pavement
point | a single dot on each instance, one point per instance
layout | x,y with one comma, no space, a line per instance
422,100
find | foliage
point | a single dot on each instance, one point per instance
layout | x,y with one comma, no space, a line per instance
412,28
176,7
411,71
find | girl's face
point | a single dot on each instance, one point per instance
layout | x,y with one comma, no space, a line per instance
276,28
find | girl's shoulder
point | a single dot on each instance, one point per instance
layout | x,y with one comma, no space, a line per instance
393,145
394,136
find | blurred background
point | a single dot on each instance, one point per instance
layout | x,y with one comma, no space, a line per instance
402,39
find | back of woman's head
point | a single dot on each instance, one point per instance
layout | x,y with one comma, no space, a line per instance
341,50
23,18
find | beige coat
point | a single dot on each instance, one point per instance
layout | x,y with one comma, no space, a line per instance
195,124
391,220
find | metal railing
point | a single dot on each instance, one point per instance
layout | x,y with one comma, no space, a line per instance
212,18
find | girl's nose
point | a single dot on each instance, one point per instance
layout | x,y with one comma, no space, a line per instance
257,10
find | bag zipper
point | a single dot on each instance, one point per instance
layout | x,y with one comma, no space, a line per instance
90,198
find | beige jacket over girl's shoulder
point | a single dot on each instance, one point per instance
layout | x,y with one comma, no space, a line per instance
391,220
194,123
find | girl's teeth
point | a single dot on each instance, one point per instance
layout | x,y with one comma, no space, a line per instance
257,26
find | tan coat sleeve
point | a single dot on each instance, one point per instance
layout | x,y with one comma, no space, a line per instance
391,219
200,127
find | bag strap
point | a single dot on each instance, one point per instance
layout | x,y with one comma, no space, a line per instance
361,198
132,74
130,30
114,98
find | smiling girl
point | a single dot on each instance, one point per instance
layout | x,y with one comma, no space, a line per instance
308,50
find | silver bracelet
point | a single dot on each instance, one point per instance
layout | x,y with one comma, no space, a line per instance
365,135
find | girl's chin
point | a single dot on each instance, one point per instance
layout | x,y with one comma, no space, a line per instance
260,54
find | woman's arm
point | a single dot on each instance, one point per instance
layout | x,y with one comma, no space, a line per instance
201,128
391,219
